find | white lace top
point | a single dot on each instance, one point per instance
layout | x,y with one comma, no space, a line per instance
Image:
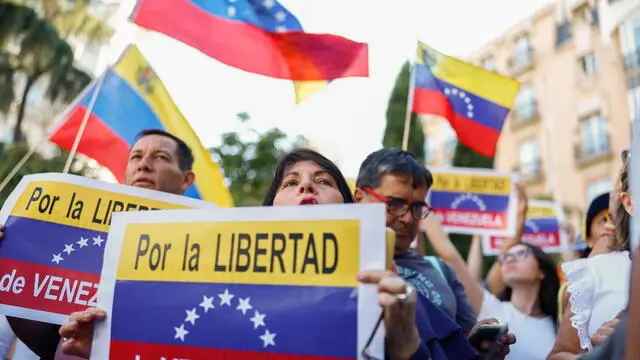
599,289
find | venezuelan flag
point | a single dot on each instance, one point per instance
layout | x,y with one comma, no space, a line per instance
475,101
261,37
267,290
132,98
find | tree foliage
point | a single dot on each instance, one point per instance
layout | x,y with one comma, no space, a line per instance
36,164
32,48
248,165
396,112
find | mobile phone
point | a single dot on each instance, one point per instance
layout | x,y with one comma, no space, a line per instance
487,332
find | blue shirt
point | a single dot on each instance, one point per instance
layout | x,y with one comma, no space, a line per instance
442,289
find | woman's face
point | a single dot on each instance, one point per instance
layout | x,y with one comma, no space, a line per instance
597,226
306,183
519,265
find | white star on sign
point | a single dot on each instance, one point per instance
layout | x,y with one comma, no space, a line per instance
68,249
281,29
244,305
231,11
57,258
269,3
462,95
225,298
267,338
281,15
258,319
181,332
98,240
82,242
469,114
447,91
192,316
207,303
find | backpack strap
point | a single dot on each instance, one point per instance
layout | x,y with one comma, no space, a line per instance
436,264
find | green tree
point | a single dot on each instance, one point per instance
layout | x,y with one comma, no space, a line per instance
39,52
36,164
248,165
396,112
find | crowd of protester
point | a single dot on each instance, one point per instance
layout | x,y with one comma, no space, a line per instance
434,307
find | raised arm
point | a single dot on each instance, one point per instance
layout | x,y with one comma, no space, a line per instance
474,259
494,277
448,252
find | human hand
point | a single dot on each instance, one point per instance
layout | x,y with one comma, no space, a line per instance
569,229
77,333
523,201
398,301
606,330
494,350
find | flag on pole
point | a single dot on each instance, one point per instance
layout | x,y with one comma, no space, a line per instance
258,36
132,98
475,101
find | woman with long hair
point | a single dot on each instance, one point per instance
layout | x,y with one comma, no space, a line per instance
527,304
598,285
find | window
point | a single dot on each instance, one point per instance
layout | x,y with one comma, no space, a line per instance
588,65
594,136
529,158
563,33
596,188
489,63
630,41
430,151
633,96
525,105
522,51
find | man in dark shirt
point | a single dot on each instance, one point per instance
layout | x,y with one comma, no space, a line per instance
397,178
157,161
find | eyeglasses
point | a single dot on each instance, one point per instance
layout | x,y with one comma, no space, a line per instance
515,255
399,207
625,155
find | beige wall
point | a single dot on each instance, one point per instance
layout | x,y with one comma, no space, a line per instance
564,97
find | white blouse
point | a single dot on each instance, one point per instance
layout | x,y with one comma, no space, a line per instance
599,290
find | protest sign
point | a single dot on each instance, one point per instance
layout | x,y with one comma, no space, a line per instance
474,201
542,228
241,283
56,228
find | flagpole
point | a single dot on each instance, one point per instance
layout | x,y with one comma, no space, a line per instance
83,125
407,116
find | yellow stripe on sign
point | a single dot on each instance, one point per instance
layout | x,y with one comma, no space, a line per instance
496,88
209,179
473,183
541,212
312,253
79,206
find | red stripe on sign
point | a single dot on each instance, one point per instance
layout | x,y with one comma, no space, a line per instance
46,288
473,219
142,351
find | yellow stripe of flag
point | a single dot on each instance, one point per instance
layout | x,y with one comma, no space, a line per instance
209,179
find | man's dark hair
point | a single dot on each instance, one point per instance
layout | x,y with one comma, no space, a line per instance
395,162
185,156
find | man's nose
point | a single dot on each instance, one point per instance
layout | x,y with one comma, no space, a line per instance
144,164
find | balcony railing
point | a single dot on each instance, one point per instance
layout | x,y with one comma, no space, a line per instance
587,153
520,62
530,171
524,114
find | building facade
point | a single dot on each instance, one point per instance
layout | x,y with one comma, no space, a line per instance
580,89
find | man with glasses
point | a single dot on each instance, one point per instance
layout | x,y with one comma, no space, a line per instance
398,179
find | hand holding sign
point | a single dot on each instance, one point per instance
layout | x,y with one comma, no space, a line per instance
78,332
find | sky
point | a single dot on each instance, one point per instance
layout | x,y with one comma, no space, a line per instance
346,120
